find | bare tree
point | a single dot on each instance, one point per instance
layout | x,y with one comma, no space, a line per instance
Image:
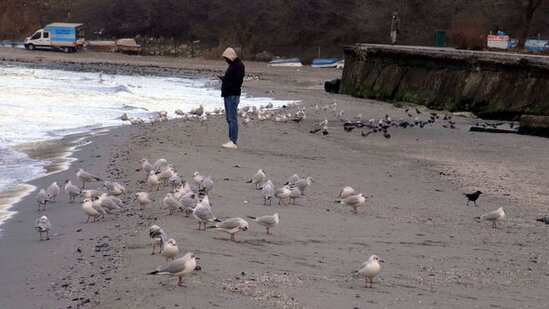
530,7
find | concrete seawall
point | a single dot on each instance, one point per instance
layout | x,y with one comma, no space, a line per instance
489,84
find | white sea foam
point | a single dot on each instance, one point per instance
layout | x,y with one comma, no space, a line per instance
39,104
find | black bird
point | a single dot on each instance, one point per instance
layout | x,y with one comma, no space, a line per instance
387,135
472,197
365,134
348,128
418,111
544,219
297,119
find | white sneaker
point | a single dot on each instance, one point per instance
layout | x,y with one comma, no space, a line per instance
230,145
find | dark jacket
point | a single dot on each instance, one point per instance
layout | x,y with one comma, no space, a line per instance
232,81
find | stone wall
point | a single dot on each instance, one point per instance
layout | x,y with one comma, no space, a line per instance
489,84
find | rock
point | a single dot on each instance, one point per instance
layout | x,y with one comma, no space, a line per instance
534,125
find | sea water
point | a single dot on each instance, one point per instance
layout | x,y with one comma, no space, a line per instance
38,104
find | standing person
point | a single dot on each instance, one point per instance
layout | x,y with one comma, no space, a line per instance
395,27
231,83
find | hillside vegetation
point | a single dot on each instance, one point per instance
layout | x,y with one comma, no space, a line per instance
285,27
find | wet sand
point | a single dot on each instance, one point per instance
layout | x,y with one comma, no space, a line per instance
436,255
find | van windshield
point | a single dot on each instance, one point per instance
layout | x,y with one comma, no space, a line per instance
35,36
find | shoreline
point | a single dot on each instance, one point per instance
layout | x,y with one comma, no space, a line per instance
415,219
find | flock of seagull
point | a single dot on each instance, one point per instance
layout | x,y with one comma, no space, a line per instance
191,197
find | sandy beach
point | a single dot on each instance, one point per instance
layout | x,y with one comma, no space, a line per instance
416,219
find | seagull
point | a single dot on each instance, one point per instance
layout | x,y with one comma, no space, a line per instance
267,192
231,226
354,201
197,178
42,198
147,167
303,184
43,225
165,175
160,165
71,190
170,250
171,203
494,216
89,210
267,221
153,181
86,177
282,194
158,237
53,191
144,199
114,188
188,202
203,213
472,197
175,181
292,179
198,111
370,269
207,184
294,194
124,117
90,193
179,267
346,192
109,205
257,178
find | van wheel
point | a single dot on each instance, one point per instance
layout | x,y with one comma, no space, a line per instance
30,47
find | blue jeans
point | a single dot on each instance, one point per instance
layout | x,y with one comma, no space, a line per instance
231,107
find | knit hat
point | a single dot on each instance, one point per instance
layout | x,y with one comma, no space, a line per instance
230,54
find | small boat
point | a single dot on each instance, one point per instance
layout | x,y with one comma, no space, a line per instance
292,62
325,63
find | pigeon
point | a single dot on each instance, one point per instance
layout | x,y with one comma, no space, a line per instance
267,192
472,197
282,194
493,216
89,210
370,269
43,225
71,190
53,191
354,201
86,177
231,226
170,250
258,178
42,198
267,221
178,267
158,237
